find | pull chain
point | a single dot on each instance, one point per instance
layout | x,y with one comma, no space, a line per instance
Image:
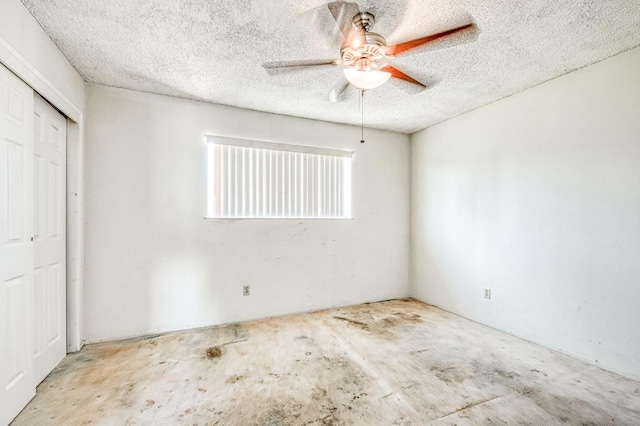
362,115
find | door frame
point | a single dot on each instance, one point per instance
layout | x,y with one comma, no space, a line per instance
16,63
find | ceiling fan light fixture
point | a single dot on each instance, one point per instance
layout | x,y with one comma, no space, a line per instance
366,79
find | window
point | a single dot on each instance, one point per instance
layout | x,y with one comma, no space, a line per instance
254,179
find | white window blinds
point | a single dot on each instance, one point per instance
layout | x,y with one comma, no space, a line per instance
254,179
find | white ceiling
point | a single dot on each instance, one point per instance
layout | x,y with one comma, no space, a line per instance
212,50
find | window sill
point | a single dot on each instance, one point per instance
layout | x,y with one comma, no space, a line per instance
276,218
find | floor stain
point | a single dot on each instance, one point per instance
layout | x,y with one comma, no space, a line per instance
234,379
353,322
214,352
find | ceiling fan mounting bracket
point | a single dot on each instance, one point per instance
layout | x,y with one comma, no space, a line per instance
363,21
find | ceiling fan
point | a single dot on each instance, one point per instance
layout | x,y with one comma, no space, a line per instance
364,54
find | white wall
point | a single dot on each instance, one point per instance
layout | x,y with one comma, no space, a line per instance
154,264
537,197
28,52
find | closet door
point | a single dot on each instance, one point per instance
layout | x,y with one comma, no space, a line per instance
17,385
49,178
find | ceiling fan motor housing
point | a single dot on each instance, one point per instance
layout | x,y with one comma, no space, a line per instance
363,49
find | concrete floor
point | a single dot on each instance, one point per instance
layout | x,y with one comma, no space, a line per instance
392,363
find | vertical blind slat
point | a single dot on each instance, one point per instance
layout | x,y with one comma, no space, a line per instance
347,188
276,184
236,181
228,154
265,183
283,183
271,183
290,182
213,180
255,192
326,196
243,181
338,185
254,180
249,186
320,177
311,186
296,182
307,186
299,191
232,181
332,184
223,173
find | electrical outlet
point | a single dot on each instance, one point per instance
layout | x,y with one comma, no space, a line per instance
487,293
246,290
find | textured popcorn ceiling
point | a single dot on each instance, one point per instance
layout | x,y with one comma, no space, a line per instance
212,50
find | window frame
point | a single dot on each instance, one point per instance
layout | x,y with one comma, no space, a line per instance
341,162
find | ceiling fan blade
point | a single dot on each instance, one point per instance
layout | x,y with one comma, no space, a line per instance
333,20
295,64
395,72
335,95
343,13
397,49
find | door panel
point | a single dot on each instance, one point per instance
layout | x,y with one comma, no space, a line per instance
49,153
17,385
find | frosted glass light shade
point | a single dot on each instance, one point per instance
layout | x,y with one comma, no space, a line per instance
366,79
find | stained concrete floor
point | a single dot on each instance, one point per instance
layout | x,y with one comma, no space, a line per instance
392,363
